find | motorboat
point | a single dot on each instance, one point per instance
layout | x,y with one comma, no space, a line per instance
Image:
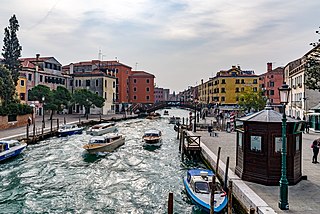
153,115
10,148
69,129
175,120
105,143
166,112
198,187
102,128
152,137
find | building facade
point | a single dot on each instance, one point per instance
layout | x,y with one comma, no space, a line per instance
269,83
141,88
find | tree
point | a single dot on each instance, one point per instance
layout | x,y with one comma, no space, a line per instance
62,98
312,67
7,89
252,100
12,49
87,99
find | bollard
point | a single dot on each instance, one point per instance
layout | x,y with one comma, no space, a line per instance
230,198
64,120
170,203
58,124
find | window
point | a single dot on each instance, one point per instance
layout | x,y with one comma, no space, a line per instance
148,80
71,82
237,81
147,97
22,96
255,81
271,84
255,143
271,92
87,82
134,97
134,80
30,77
148,89
105,83
240,139
97,82
134,89
41,78
223,90
76,83
237,90
223,99
79,83
223,81
113,84
242,89
22,82
242,81
255,89
105,95
277,144
97,93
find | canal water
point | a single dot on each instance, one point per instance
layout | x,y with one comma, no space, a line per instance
58,176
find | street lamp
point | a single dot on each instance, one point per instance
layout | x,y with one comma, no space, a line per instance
43,123
195,116
283,202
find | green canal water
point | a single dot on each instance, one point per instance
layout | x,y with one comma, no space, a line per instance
58,176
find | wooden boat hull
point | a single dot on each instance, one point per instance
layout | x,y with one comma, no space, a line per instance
104,147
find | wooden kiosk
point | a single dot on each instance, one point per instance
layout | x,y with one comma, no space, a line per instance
259,143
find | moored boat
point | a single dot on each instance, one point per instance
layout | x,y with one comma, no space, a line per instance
69,129
174,120
198,186
166,112
10,148
102,128
105,143
152,137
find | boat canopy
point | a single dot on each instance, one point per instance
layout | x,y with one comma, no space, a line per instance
152,132
97,139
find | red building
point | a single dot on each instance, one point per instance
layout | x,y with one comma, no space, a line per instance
141,87
270,81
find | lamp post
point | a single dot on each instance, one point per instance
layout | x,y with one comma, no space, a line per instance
43,123
283,202
195,116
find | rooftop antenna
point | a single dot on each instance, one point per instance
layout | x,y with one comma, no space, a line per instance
136,66
100,54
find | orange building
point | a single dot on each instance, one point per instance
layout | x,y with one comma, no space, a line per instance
141,87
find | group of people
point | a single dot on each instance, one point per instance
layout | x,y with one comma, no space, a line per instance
315,148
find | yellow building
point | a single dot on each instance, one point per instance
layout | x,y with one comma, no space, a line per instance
21,88
226,87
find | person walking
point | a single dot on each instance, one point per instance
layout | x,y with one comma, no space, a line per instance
315,148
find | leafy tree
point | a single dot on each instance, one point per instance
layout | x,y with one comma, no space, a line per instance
12,49
62,98
7,88
252,100
38,92
87,99
312,71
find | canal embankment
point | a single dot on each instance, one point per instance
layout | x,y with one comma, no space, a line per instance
303,197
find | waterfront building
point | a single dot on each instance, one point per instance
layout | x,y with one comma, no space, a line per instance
161,94
41,71
226,87
301,98
269,83
141,88
21,88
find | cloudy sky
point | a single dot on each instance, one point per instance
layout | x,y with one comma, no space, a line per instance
179,41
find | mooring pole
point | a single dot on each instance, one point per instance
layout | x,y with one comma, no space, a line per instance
64,120
230,198
213,189
27,132
178,132
218,159
225,186
170,203
57,123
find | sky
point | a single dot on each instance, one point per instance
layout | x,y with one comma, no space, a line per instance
179,41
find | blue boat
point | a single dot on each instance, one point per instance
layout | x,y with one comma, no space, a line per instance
69,129
198,187
10,148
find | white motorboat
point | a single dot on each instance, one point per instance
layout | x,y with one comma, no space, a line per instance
69,129
102,128
10,148
105,143
198,186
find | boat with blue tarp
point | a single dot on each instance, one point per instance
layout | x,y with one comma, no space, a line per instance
10,148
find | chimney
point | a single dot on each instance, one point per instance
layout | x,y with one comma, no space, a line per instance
269,66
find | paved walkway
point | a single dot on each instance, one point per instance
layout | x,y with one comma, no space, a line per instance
69,118
304,197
